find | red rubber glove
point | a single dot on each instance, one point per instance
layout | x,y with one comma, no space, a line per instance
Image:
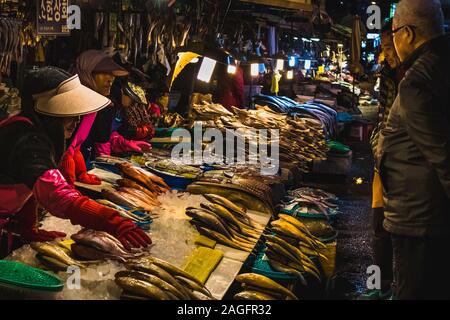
142,132
154,110
25,222
90,214
81,170
121,145
64,201
67,167
145,132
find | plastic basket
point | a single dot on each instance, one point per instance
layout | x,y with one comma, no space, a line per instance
262,267
19,280
329,266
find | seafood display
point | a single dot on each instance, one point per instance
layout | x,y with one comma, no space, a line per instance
226,223
311,110
98,245
179,170
259,287
301,139
309,201
136,193
289,249
54,257
155,279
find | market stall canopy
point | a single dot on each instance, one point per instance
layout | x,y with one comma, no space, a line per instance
288,4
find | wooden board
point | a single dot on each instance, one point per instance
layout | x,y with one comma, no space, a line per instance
107,181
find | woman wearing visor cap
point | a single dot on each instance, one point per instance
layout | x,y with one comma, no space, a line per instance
32,145
98,71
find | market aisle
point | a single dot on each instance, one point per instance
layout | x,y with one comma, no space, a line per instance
353,225
354,248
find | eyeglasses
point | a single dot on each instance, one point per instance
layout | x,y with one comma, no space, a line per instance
400,28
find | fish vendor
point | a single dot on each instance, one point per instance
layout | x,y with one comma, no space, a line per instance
135,114
98,71
32,145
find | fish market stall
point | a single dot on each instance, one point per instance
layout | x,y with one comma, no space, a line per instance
174,240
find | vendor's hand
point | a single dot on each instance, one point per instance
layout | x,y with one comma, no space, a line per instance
144,146
89,179
132,237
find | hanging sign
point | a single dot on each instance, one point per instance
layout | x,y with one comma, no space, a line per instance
52,17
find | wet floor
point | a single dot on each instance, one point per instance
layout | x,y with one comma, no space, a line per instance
353,225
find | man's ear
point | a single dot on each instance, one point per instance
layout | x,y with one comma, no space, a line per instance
411,34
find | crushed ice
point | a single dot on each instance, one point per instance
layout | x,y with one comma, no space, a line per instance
172,235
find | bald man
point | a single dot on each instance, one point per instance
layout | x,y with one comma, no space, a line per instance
414,154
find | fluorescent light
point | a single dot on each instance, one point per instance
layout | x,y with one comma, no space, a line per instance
307,64
373,36
231,69
306,40
340,45
206,69
280,64
290,75
291,61
295,38
255,69
195,60
315,39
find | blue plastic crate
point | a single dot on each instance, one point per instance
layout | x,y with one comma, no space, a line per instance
175,182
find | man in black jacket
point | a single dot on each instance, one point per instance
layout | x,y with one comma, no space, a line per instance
414,154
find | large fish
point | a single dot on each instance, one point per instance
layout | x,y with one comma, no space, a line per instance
227,215
291,231
148,179
151,268
194,286
298,224
51,263
227,204
90,253
117,198
224,240
172,269
139,195
141,288
263,282
210,219
104,242
282,251
55,252
136,201
252,295
167,287
131,184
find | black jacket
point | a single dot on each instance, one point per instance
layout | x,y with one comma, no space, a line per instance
414,147
27,153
